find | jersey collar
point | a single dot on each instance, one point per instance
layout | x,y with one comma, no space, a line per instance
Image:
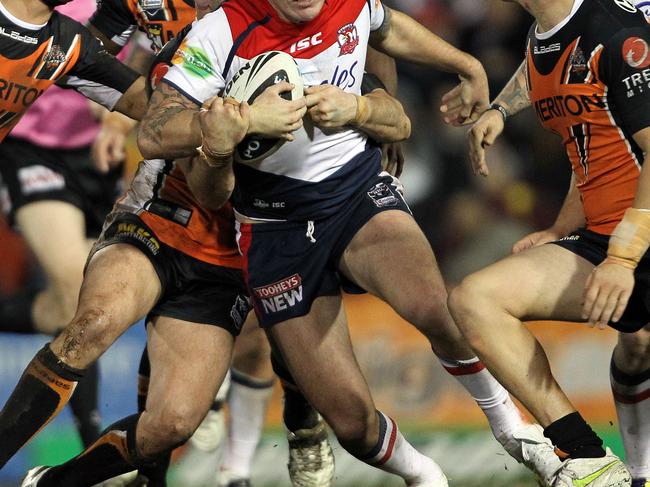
20,23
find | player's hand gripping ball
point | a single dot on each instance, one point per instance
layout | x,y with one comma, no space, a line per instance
264,71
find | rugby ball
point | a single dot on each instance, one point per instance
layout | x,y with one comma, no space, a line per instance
261,72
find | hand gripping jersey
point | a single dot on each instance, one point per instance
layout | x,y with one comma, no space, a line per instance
62,51
589,82
160,196
160,20
313,176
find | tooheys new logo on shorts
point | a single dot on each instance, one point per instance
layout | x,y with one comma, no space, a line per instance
194,60
280,295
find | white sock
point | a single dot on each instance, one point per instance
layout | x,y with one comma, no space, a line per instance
502,414
632,398
247,402
394,454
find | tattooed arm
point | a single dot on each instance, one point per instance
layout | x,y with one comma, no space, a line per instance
171,127
513,98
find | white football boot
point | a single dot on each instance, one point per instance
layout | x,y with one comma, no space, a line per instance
311,461
608,471
536,452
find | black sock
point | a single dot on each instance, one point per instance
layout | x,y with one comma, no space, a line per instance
113,454
156,473
85,406
43,390
298,413
16,313
574,437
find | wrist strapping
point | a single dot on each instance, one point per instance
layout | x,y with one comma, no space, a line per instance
363,112
630,239
213,158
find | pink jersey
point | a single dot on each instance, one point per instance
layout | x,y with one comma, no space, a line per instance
61,119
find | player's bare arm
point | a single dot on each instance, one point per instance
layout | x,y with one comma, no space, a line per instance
514,96
400,33
171,128
512,99
377,114
384,68
570,218
133,103
610,285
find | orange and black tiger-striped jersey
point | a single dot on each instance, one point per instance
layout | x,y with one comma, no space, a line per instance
34,57
160,20
589,82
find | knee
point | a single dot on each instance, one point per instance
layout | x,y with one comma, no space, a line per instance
85,338
353,423
174,426
632,353
464,306
428,312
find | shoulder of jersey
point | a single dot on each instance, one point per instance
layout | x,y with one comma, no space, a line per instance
242,13
618,14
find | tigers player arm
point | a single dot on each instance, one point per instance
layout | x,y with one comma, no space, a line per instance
397,37
209,174
171,127
513,98
610,285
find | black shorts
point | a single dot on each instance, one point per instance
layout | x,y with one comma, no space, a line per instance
192,290
31,173
287,265
592,246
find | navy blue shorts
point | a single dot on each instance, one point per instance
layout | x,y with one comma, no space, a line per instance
287,265
592,246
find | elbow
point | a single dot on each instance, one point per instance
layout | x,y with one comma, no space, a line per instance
148,147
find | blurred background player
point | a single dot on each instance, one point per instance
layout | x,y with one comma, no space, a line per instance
582,60
58,201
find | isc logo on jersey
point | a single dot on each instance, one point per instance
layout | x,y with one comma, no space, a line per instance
280,295
306,43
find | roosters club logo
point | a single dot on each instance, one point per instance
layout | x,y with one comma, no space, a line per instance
636,52
348,38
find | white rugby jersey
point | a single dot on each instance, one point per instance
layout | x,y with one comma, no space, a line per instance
314,175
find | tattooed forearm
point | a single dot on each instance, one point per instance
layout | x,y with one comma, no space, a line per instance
514,96
171,127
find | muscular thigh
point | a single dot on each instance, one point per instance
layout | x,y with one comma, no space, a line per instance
545,282
391,258
188,364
